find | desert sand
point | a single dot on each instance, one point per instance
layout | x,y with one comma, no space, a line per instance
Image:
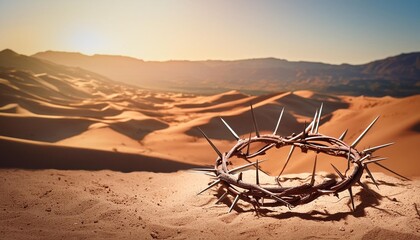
83,157
57,204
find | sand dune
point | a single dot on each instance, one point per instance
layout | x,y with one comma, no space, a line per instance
131,120
127,148
211,101
397,123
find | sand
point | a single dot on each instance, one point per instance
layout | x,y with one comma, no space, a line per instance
57,204
87,158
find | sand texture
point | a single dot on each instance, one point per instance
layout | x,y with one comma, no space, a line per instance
56,204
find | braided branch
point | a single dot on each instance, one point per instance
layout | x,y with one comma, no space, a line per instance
308,140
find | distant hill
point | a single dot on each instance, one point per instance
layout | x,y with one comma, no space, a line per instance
395,76
12,60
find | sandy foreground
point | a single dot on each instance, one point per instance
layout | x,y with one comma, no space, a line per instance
56,204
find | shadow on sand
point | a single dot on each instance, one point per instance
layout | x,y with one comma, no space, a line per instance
33,155
367,198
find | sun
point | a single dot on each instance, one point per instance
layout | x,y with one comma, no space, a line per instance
88,41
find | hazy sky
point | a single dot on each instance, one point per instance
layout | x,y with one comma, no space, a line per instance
332,31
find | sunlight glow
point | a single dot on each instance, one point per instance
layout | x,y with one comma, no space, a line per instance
86,41
326,31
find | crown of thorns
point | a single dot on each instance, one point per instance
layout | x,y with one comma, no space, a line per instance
261,195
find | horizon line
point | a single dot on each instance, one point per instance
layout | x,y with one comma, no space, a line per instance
207,60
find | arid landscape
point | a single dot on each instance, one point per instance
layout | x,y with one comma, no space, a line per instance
84,156
392,76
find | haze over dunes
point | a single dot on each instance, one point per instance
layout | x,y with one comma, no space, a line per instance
57,116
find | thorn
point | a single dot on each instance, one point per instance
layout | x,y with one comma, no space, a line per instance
363,158
230,129
255,122
371,176
313,172
308,128
213,176
279,199
209,186
375,160
237,169
278,122
254,163
314,121
210,142
287,160
351,197
343,135
249,144
257,178
363,133
239,177
382,166
372,149
221,198
319,117
203,169
205,173
234,202
337,171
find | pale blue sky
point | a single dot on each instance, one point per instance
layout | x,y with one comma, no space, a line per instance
332,31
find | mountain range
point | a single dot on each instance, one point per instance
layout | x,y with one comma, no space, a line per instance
394,76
